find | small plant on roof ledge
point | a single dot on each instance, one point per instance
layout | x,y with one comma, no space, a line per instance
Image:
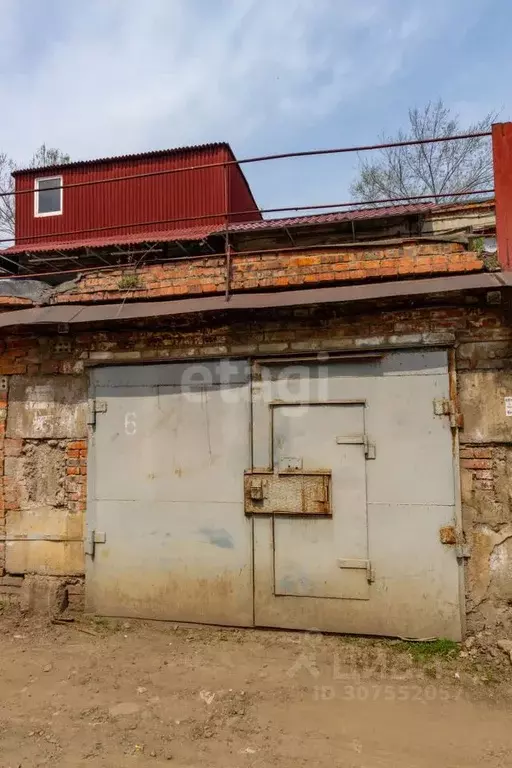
129,282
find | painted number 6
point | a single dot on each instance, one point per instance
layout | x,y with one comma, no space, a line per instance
130,423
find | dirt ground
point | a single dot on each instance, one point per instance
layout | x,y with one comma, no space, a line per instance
117,693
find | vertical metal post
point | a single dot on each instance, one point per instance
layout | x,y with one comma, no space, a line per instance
502,162
227,247
459,523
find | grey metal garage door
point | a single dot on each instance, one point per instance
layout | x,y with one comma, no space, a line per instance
311,498
168,452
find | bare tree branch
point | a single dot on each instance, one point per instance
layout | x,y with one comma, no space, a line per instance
43,157
428,169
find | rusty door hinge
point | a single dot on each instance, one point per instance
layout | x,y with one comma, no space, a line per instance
445,407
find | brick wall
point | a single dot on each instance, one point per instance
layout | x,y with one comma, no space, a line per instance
483,343
284,269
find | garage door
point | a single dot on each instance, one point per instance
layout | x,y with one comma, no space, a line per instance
167,535
311,498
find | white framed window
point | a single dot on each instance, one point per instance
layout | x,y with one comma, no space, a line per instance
48,196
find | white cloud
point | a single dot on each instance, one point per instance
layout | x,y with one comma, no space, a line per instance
120,76
103,77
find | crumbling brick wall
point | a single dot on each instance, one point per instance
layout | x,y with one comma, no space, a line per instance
275,270
480,334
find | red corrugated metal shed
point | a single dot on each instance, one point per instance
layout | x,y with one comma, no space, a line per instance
177,196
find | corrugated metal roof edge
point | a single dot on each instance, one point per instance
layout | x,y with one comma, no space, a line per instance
134,156
341,294
156,236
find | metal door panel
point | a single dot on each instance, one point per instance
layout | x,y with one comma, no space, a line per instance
308,552
167,493
417,585
415,593
173,560
411,495
306,556
166,444
125,450
183,375
410,441
311,434
399,418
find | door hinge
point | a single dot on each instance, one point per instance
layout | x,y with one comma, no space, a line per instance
359,565
462,552
93,538
94,407
445,407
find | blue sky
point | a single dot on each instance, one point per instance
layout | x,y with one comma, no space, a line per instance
102,77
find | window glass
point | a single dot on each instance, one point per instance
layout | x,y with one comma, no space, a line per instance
49,196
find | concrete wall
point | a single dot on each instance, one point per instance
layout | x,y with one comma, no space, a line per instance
42,491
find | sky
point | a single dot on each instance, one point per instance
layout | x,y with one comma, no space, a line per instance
105,77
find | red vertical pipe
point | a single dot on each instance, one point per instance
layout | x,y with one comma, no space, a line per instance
502,160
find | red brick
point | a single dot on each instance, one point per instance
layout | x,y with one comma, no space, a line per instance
477,463
11,369
77,445
482,453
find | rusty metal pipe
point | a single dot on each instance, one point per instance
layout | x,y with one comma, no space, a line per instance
263,158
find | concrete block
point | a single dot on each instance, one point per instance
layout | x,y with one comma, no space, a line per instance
48,558
484,406
47,407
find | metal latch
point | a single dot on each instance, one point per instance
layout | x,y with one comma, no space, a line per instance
370,450
94,407
359,565
93,538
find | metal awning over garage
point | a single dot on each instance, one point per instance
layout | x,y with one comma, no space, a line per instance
92,313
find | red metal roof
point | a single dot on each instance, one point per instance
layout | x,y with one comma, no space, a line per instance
190,233
199,233
334,217
136,156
